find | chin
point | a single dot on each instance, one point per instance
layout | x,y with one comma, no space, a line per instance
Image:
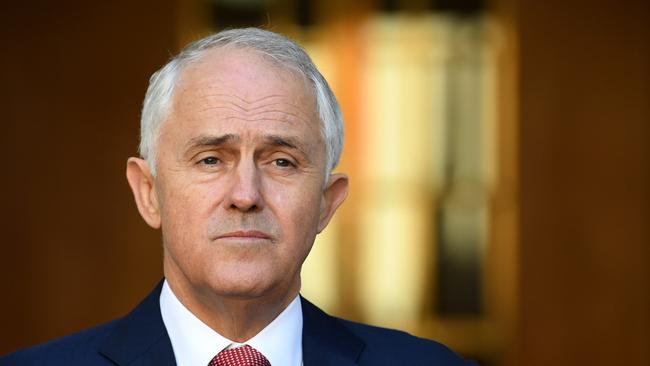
243,285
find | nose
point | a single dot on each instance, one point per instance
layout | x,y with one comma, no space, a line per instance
245,190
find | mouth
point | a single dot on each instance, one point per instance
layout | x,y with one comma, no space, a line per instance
252,235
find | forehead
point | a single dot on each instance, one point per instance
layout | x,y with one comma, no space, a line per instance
245,73
237,83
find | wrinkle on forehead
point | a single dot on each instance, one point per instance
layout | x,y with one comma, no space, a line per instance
273,105
242,84
221,66
250,105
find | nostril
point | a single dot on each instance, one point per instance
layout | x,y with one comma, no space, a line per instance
244,208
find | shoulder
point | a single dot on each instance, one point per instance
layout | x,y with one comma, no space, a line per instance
339,341
80,348
385,346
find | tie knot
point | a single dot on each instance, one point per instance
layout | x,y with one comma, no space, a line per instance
240,356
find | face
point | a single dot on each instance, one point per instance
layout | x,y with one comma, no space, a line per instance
240,192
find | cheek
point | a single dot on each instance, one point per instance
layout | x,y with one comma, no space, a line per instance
186,198
298,211
183,212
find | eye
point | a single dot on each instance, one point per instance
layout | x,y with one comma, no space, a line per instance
283,163
210,160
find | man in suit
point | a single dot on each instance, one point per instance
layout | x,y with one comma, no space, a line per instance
240,133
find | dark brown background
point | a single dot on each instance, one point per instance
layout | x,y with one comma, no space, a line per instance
584,122
575,98
74,250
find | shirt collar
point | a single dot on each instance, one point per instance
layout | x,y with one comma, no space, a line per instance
195,343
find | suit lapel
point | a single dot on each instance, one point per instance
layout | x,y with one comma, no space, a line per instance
325,341
140,338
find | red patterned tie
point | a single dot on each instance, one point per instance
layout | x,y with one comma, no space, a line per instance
240,356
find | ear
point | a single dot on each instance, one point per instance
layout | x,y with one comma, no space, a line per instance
333,197
142,184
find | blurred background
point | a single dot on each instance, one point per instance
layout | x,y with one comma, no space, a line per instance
498,152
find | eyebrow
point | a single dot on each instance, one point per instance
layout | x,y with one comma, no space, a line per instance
282,141
273,140
289,142
212,140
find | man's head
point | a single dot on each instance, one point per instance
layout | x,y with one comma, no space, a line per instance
276,48
242,151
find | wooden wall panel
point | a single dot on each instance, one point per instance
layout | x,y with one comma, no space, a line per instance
74,249
584,120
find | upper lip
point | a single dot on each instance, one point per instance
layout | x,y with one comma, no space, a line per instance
245,234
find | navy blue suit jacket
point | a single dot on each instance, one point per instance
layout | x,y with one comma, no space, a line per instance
140,339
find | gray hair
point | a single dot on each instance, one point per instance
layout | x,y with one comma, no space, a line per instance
279,49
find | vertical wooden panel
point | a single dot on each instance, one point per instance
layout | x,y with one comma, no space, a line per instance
585,184
74,250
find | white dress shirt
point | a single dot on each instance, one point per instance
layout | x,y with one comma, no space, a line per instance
195,343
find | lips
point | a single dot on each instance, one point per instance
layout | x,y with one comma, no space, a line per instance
250,234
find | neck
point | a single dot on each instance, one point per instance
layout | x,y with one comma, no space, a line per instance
238,318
